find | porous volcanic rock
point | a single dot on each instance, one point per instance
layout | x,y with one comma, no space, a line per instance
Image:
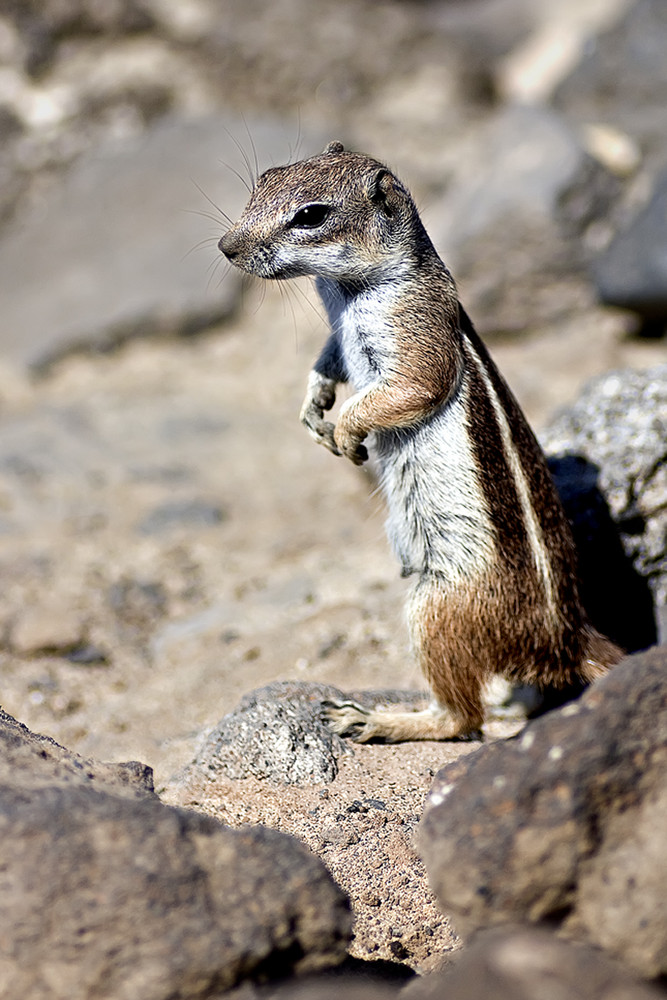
105,894
616,433
565,821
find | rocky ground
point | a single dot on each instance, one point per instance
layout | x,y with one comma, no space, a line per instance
170,539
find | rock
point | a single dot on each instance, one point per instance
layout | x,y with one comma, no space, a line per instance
508,225
43,25
277,733
523,963
622,78
31,761
565,821
112,247
610,446
109,896
632,272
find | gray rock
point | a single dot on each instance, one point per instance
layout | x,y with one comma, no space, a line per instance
632,272
622,79
31,761
617,432
565,821
106,896
122,249
277,733
522,191
524,963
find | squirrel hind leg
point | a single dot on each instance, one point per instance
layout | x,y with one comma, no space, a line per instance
600,654
388,726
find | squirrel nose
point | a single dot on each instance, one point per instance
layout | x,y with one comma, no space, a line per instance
229,245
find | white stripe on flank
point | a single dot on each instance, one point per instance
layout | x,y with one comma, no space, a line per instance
533,528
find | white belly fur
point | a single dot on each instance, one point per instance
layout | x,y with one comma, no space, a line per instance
436,519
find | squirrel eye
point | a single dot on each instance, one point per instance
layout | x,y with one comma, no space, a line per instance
310,216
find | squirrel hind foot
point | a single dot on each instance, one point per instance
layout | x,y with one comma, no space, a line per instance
364,725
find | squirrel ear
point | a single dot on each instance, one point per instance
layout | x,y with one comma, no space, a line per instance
383,189
333,147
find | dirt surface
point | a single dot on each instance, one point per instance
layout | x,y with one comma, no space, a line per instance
361,825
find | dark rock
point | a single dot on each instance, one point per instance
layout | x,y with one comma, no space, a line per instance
632,272
109,257
31,761
106,896
45,23
508,224
608,452
565,821
524,964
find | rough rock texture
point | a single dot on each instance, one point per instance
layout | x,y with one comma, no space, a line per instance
617,429
565,821
277,733
105,895
29,760
526,964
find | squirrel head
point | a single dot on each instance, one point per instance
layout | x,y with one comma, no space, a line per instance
339,215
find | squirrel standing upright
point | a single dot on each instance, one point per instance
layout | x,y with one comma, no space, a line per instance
472,509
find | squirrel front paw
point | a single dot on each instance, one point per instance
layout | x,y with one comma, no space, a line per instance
349,444
321,396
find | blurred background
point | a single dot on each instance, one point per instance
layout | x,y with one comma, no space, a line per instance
169,538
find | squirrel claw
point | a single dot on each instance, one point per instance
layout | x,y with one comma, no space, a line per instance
346,718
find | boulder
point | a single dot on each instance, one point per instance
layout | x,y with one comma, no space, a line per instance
631,272
30,761
509,223
125,246
622,77
108,893
608,454
524,963
565,822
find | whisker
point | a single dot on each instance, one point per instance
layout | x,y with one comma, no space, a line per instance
209,241
295,150
246,162
212,203
237,174
254,175
213,267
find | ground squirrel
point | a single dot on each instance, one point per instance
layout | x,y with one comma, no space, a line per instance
472,510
